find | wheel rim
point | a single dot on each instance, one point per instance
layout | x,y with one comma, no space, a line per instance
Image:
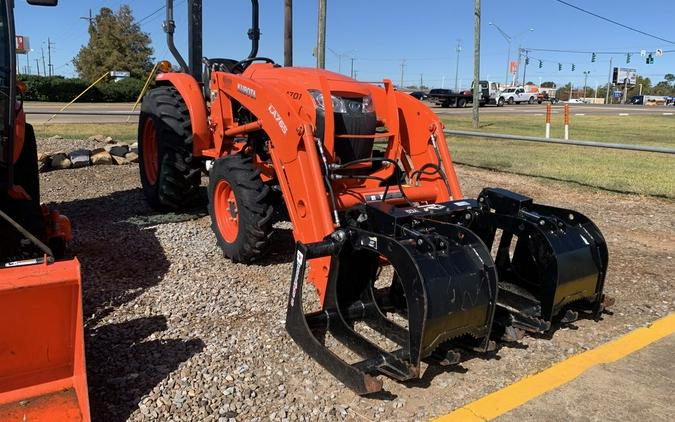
226,212
150,161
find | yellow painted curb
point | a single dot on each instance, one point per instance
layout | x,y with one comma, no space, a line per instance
514,395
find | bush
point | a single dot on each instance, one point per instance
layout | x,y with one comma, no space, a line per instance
60,89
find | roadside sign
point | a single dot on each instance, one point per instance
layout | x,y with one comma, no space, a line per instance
119,74
617,94
22,44
622,75
513,66
643,53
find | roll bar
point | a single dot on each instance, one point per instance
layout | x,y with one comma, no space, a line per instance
195,42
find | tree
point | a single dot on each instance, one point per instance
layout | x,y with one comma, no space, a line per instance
116,42
548,84
670,78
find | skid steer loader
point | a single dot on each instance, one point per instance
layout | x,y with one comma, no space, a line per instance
42,370
400,260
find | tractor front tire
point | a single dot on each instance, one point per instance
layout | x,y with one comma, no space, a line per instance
240,206
170,174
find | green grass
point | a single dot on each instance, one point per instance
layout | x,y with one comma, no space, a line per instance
623,171
118,131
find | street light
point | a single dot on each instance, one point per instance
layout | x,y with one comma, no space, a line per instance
508,39
586,73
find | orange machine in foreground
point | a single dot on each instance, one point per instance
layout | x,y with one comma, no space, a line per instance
42,365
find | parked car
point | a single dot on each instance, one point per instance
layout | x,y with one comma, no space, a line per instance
517,96
420,95
575,101
448,97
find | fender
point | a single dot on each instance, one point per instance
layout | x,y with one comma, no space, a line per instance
191,92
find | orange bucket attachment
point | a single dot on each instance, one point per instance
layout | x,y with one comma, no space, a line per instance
42,365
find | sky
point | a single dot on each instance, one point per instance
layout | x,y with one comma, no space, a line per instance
382,35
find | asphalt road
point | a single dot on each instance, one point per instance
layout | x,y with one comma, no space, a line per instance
522,109
33,108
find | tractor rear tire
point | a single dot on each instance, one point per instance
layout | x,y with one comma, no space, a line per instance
240,206
461,103
26,167
170,174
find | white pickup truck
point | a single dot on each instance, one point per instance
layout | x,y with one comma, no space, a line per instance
517,96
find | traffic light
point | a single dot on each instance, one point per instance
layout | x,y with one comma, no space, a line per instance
559,67
650,59
527,60
573,67
541,64
628,58
593,58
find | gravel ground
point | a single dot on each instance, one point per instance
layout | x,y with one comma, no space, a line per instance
176,332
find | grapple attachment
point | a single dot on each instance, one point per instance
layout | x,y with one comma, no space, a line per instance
548,260
444,284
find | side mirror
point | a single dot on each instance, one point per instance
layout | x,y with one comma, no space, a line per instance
43,2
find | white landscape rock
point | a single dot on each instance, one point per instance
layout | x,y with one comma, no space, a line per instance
132,157
119,160
100,156
97,138
60,161
43,161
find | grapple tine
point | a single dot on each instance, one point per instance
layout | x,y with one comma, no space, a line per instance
298,329
559,259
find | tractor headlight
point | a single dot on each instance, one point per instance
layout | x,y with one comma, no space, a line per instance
344,105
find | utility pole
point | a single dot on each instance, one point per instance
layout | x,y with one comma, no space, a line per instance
49,56
90,19
351,73
476,63
525,66
459,48
44,67
321,37
37,65
586,73
609,81
402,71
421,80
288,33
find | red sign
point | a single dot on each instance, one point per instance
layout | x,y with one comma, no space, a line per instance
513,66
22,44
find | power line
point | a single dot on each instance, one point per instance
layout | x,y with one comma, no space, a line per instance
588,52
615,22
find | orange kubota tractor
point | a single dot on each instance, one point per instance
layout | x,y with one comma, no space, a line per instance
42,370
400,259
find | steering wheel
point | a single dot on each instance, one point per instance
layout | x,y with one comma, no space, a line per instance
241,65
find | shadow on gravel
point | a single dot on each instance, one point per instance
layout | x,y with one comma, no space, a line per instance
125,366
121,257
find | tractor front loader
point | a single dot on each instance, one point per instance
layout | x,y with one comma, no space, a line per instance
42,364
402,263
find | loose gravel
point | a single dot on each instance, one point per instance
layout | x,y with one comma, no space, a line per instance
176,332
